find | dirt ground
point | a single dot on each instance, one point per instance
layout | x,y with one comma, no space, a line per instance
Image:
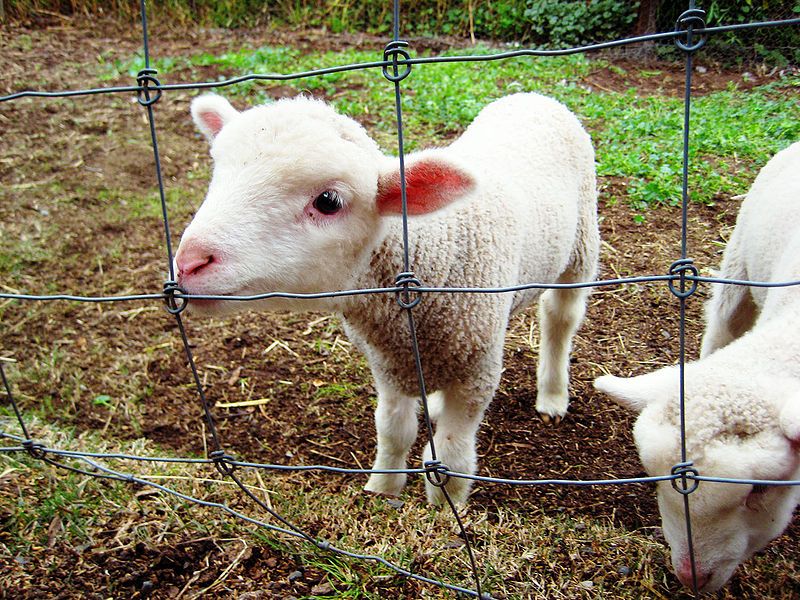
295,360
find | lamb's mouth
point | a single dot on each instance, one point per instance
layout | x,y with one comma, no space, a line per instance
212,305
205,303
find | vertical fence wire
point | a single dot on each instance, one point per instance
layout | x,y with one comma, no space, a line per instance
435,478
691,18
13,402
408,290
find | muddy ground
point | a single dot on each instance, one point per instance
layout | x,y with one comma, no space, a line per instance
320,394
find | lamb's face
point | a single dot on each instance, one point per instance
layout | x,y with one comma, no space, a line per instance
291,203
737,427
730,522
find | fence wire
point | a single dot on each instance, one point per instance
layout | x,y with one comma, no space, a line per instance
683,278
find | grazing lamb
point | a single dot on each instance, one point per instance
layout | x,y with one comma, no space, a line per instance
302,200
742,395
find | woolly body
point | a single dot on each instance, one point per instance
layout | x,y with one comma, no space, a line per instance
511,201
742,401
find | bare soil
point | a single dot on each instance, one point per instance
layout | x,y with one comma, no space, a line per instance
75,149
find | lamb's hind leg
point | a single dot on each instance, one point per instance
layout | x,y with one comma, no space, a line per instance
730,313
560,314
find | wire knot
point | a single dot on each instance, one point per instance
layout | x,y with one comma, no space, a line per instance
35,449
147,81
688,21
404,297
685,471
392,50
679,269
175,306
223,462
436,473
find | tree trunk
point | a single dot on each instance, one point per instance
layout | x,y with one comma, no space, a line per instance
646,17
645,24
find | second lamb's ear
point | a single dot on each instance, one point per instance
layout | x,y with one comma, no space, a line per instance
210,113
431,183
790,420
635,393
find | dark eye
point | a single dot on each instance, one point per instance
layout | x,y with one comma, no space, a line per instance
328,202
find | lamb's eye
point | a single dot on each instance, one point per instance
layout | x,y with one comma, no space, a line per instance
328,202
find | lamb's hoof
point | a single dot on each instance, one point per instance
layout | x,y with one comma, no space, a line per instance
551,419
458,492
378,494
552,407
383,484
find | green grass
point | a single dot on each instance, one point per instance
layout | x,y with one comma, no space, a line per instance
638,138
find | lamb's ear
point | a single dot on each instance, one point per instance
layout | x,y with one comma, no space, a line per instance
790,420
635,393
431,183
210,113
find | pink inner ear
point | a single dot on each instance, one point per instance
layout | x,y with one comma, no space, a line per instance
430,185
213,121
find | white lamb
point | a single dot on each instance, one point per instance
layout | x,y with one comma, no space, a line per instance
302,200
742,395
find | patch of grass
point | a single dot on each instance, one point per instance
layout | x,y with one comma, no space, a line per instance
732,134
338,391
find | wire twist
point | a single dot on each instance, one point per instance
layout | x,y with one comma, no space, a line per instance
223,462
688,21
679,269
175,306
404,297
684,472
147,82
35,449
436,473
392,50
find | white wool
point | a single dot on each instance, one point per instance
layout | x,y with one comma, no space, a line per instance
742,408
515,203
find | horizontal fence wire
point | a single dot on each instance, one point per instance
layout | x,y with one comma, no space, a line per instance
682,279
60,452
405,62
421,289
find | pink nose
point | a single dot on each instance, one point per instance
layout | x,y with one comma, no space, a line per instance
685,577
192,258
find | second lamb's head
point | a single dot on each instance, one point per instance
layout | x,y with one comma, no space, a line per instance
296,201
739,429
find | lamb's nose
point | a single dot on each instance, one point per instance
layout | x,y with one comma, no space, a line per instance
192,258
685,577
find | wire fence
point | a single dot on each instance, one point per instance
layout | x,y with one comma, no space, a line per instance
683,278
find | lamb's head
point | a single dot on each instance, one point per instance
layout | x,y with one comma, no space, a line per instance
296,200
735,428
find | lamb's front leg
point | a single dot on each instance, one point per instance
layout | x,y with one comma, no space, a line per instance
396,426
455,440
